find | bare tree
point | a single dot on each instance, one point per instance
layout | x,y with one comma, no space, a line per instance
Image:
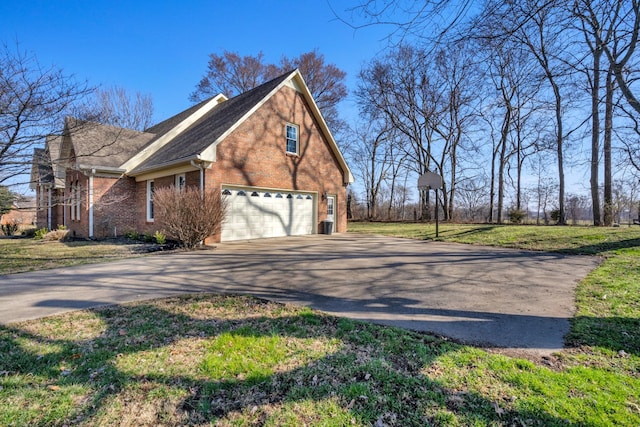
540,35
545,189
619,42
427,20
231,74
427,102
33,101
116,107
326,83
370,155
473,198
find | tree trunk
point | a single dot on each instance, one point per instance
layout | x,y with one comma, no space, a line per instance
608,130
559,141
595,138
492,190
503,160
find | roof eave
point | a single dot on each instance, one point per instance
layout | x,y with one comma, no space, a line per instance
172,163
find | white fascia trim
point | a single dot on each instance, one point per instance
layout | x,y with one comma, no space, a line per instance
198,158
104,169
143,155
167,171
301,87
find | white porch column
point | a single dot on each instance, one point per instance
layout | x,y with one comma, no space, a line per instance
91,204
49,208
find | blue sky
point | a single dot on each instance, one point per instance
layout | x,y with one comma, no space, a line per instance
161,47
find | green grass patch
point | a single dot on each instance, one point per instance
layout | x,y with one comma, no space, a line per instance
205,359
578,240
24,254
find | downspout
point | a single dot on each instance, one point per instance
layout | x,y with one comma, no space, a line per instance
49,208
93,171
201,167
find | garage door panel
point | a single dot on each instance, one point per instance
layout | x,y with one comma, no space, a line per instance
253,213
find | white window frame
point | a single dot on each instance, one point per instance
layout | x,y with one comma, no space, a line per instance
72,201
150,207
287,139
78,201
180,181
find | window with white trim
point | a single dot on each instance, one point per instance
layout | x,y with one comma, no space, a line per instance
293,140
181,182
72,201
150,190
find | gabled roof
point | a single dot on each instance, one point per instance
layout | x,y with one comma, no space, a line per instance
210,127
41,171
53,146
216,120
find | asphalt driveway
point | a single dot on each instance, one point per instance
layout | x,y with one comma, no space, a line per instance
479,295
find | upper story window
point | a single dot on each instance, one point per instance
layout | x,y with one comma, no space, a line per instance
293,140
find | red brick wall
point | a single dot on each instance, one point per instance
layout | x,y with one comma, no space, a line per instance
41,210
255,155
41,213
144,226
114,206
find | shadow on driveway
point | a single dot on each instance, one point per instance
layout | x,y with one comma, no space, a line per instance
478,295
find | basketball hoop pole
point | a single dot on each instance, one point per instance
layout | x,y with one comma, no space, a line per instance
428,181
436,191
427,188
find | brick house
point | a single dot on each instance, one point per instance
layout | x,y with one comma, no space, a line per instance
22,213
268,151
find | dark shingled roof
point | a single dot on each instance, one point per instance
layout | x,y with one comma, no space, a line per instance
201,134
103,145
41,171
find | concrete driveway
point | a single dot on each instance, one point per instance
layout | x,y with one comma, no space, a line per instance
479,295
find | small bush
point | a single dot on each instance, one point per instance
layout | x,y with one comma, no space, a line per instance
132,235
188,215
555,215
9,229
516,216
56,235
160,237
62,227
147,238
40,233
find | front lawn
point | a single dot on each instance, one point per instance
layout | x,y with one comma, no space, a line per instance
228,360
579,240
18,255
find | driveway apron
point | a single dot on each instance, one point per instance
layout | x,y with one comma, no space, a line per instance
479,295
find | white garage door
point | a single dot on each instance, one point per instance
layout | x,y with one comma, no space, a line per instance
254,214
